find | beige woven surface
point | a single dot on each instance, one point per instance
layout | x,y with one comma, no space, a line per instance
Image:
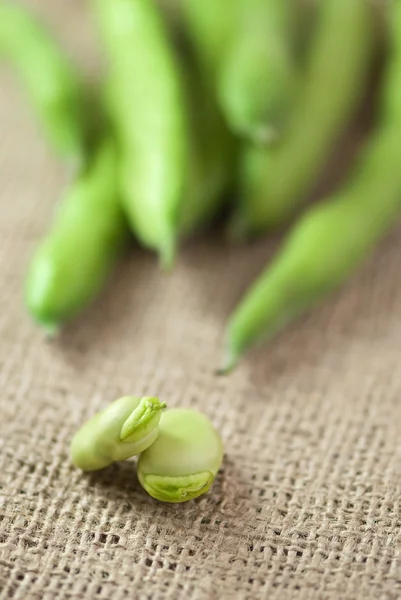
307,504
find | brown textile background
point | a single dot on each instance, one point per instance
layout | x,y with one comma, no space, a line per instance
307,504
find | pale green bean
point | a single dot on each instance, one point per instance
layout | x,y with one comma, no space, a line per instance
124,429
184,460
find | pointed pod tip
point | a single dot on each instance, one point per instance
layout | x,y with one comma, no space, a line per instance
229,364
50,330
167,253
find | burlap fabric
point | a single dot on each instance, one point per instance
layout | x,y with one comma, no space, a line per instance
307,504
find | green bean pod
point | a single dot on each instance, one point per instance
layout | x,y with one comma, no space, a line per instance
212,149
127,427
334,238
258,75
211,158
277,180
210,25
54,88
171,10
146,104
88,235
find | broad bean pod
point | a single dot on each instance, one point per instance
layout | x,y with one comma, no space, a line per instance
334,238
52,84
212,154
210,26
88,235
146,105
258,74
276,180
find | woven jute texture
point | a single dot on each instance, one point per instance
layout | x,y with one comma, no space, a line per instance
307,503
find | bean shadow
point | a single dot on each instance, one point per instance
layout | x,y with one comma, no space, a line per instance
221,273
117,479
224,502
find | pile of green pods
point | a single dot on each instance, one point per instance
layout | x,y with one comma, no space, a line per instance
214,108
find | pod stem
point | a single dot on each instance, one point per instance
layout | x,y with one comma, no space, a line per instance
230,362
167,252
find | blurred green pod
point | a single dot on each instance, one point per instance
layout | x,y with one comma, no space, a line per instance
258,77
146,104
334,238
276,180
51,82
88,234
